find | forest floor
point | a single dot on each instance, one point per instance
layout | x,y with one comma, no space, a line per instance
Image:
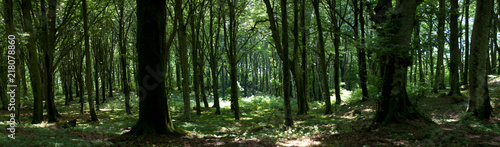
261,124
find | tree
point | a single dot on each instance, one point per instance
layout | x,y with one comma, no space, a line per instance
440,33
232,55
48,45
286,71
213,61
123,56
360,49
154,115
281,44
184,58
88,74
454,50
465,73
479,99
322,59
395,30
33,63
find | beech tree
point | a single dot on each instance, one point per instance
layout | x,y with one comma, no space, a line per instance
154,115
479,98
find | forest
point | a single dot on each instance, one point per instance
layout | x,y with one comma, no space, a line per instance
250,73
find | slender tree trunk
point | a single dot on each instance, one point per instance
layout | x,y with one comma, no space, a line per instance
33,63
440,33
479,102
88,73
305,76
184,58
232,55
213,60
465,72
123,54
322,60
49,21
454,50
286,71
360,48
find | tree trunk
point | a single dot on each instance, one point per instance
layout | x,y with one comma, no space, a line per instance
305,76
48,31
184,58
33,63
123,54
232,55
322,60
286,71
88,74
361,49
394,104
479,102
465,72
454,50
154,115
440,33
213,60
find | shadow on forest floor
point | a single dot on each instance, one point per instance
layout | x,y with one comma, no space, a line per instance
261,124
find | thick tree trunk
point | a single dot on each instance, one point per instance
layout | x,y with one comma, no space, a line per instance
154,115
479,102
394,104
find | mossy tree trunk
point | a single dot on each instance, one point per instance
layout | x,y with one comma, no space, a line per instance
394,105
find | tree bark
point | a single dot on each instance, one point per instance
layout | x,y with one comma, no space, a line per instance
322,60
123,55
394,105
440,39
33,63
213,60
154,115
88,74
184,58
454,50
479,99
